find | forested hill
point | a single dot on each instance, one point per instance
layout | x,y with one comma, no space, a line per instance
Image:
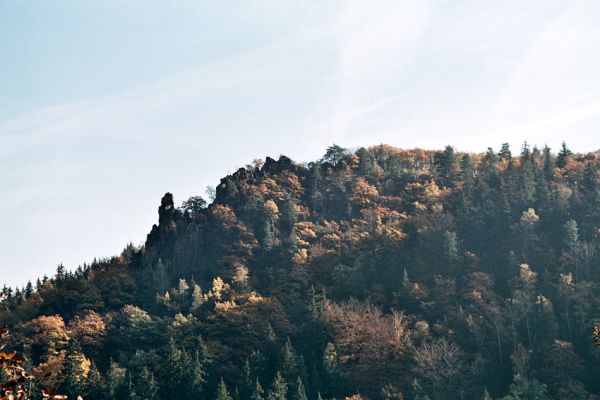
380,274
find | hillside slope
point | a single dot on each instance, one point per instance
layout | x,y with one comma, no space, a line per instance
383,272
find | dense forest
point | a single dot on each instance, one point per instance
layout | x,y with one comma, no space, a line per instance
379,273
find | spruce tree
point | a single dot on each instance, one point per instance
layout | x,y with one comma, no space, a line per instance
486,394
223,392
466,169
505,153
549,163
288,361
73,384
95,382
258,393
146,385
279,388
116,381
300,393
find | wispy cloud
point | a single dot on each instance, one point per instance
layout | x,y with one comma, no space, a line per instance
82,177
375,43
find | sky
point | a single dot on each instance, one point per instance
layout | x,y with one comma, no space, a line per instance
105,106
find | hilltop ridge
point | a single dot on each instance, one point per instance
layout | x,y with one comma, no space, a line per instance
396,274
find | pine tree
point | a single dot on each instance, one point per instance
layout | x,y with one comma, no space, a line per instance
268,234
131,390
466,169
367,165
288,361
335,154
160,278
417,391
28,290
315,305
522,388
445,165
590,177
146,385
247,379
571,233
116,381
177,365
488,169
73,384
300,393
197,374
95,382
548,166
505,153
222,392
563,156
450,247
258,393
314,185
486,394
279,388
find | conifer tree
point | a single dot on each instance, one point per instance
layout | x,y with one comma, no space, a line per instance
279,388
146,385
300,393
95,382
522,388
571,233
160,278
258,393
223,392
563,156
73,384
505,153
486,395
548,163
466,169
116,381
288,361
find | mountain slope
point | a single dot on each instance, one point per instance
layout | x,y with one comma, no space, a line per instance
386,272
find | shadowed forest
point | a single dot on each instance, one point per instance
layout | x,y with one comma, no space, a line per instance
379,273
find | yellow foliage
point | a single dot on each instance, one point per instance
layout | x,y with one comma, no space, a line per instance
225,305
271,208
363,193
301,256
526,273
254,297
529,217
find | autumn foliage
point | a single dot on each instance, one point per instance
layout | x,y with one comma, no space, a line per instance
375,273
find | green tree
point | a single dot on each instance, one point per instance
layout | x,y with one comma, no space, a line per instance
505,153
486,395
117,382
571,233
146,386
445,163
160,278
222,392
279,388
300,393
563,156
522,388
466,169
335,154
74,383
258,393
289,366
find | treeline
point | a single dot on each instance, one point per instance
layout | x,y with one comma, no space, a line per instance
378,273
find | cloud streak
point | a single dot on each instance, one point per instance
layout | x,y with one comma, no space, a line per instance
83,177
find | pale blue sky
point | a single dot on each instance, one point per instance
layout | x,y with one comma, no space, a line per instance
104,106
